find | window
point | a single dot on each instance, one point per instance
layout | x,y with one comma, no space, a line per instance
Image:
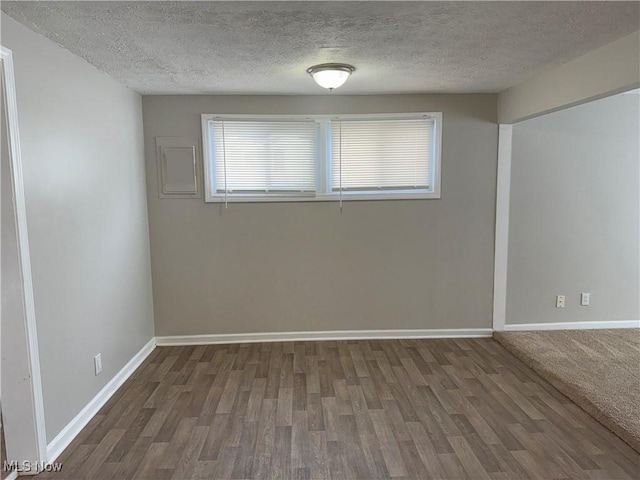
303,158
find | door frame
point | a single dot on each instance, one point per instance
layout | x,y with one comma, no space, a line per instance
501,251
33,419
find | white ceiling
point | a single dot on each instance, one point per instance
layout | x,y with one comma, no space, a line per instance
265,47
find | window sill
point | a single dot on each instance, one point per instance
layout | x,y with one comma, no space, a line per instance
346,197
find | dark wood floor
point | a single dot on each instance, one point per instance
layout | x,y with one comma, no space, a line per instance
442,409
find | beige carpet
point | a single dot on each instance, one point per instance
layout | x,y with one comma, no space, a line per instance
597,369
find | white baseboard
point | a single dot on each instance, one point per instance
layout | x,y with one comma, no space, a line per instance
573,325
322,335
73,428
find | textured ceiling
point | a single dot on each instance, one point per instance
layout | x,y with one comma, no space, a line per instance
265,47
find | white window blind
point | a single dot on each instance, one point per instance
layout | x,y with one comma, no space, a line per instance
299,158
381,154
264,156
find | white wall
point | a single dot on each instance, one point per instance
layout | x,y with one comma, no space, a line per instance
574,214
84,179
610,69
399,264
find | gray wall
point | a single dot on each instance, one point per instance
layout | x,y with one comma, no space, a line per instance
574,215
84,179
304,267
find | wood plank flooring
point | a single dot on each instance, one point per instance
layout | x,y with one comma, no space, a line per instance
419,409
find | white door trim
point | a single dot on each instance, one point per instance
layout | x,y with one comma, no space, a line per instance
6,61
503,189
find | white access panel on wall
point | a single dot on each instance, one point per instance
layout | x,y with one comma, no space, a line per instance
178,168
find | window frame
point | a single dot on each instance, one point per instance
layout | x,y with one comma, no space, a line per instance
323,162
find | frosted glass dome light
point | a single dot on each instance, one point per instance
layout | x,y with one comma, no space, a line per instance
330,75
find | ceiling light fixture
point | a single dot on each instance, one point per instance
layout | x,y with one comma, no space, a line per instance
330,75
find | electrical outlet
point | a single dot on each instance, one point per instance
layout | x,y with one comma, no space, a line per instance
97,363
585,299
560,301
